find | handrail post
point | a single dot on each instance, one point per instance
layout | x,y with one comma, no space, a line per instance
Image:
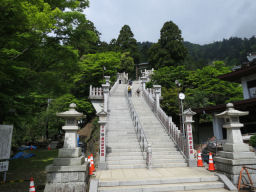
157,90
102,121
149,156
188,116
105,96
144,80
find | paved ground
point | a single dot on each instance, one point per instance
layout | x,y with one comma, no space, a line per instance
155,173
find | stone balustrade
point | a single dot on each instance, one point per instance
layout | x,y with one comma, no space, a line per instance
96,92
183,141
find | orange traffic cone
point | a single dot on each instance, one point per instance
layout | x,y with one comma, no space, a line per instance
199,159
92,163
211,164
90,166
32,185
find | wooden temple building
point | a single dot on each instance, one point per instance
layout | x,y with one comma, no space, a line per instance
246,75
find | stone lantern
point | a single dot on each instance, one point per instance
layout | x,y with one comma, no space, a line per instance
69,170
157,90
71,117
102,121
144,80
235,154
231,123
188,116
107,78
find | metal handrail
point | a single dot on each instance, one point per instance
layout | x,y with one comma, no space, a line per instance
145,146
171,129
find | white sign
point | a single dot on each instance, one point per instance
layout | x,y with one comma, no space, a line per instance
4,166
5,141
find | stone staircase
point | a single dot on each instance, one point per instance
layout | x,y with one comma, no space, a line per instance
158,180
126,167
123,150
164,151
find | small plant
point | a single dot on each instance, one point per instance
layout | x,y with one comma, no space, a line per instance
252,141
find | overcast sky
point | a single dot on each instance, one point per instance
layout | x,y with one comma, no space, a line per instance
201,21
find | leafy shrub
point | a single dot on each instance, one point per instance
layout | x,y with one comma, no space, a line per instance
252,141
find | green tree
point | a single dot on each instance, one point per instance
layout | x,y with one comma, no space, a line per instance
92,68
202,87
169,50
127,43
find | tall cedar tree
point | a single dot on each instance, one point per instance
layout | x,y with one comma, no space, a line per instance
127,43
169,50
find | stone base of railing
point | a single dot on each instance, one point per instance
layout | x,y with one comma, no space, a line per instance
103,166
100,97
192,163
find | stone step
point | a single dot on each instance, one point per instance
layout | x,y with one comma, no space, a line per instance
124,157
158,149
125,140
154,181
164,187
115,134
166,165
138,166
125,150
126,162
156,153
122,146
121,131
177,156
120,154
157,160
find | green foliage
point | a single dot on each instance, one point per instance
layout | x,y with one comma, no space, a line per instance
91,71
169,50
40,48
233,51
202,87
252,141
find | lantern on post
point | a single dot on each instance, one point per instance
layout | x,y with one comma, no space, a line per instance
188,120
71,126
107,79
144,80
102,121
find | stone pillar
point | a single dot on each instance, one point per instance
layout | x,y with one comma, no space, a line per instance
105,95
102,121
157,90
188,120
69,172
246,93
144,80
107,78
217,127
235,154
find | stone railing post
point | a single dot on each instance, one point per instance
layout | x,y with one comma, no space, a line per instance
188,120
144,80
107,78
157,90
102,121
149,156
105,96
